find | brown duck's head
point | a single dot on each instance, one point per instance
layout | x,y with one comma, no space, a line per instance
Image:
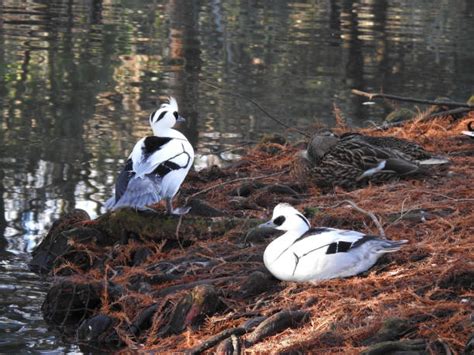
320,144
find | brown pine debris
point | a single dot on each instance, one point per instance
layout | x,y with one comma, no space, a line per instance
146,281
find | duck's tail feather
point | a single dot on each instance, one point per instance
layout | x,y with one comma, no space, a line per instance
140,192
434,161
109,204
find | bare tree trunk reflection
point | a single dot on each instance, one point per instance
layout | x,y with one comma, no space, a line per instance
185,48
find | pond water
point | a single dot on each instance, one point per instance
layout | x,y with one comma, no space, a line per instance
78,80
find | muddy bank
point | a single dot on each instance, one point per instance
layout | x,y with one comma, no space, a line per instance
149,281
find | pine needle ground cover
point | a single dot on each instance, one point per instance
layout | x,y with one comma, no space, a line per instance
146,281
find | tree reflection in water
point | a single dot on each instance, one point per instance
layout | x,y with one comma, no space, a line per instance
78,80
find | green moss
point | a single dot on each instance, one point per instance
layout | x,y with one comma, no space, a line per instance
471,100
310,212
156,226
400,115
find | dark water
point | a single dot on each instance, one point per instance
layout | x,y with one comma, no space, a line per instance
79,78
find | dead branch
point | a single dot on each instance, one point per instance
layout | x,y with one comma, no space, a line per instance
372,96
368,213
361,210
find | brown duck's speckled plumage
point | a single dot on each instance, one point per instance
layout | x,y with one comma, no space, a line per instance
342,161
404,148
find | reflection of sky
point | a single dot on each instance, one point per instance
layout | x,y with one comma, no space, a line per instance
31,229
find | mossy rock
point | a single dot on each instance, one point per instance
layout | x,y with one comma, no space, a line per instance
155,226
400,115
470,101
84,246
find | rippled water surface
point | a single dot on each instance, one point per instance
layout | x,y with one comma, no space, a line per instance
78,80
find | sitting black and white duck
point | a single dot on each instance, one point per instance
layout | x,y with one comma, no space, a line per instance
313,254
352,159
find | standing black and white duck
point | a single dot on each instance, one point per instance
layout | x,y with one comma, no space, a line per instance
351,160
313,254
157,165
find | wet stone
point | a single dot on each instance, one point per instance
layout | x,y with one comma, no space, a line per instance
68,302
55,243
94,329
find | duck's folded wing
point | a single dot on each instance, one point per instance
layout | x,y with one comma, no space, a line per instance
324,240
372,159
159,155
342,242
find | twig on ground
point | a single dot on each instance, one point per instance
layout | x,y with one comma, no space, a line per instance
368,213
236,180
361,210
372,96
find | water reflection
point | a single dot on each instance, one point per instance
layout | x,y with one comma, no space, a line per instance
79,78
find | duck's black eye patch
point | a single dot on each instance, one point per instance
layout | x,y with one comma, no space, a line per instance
279,221
161,116
175,115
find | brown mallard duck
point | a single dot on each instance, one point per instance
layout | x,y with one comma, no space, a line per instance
352,159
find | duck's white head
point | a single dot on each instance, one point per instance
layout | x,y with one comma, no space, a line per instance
287,218
165,117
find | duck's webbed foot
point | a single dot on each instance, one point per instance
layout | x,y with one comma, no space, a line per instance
179,211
